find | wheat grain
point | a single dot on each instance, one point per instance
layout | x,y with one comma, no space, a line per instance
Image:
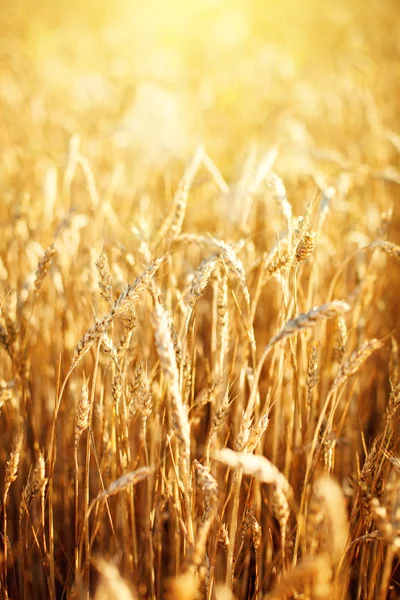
123,482
387,247
201,279
233,265
105,281
305,247
353,364
11,471
82,412
44,266
312,373
310,319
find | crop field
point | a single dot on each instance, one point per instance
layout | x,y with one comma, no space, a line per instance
199,300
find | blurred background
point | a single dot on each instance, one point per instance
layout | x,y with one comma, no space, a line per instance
151,79
141,84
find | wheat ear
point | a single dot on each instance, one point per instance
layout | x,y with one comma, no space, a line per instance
296,325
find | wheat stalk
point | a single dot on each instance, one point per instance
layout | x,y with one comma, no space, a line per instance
296,325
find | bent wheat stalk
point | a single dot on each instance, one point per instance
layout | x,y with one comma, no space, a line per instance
292,327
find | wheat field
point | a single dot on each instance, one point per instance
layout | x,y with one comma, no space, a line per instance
199,333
